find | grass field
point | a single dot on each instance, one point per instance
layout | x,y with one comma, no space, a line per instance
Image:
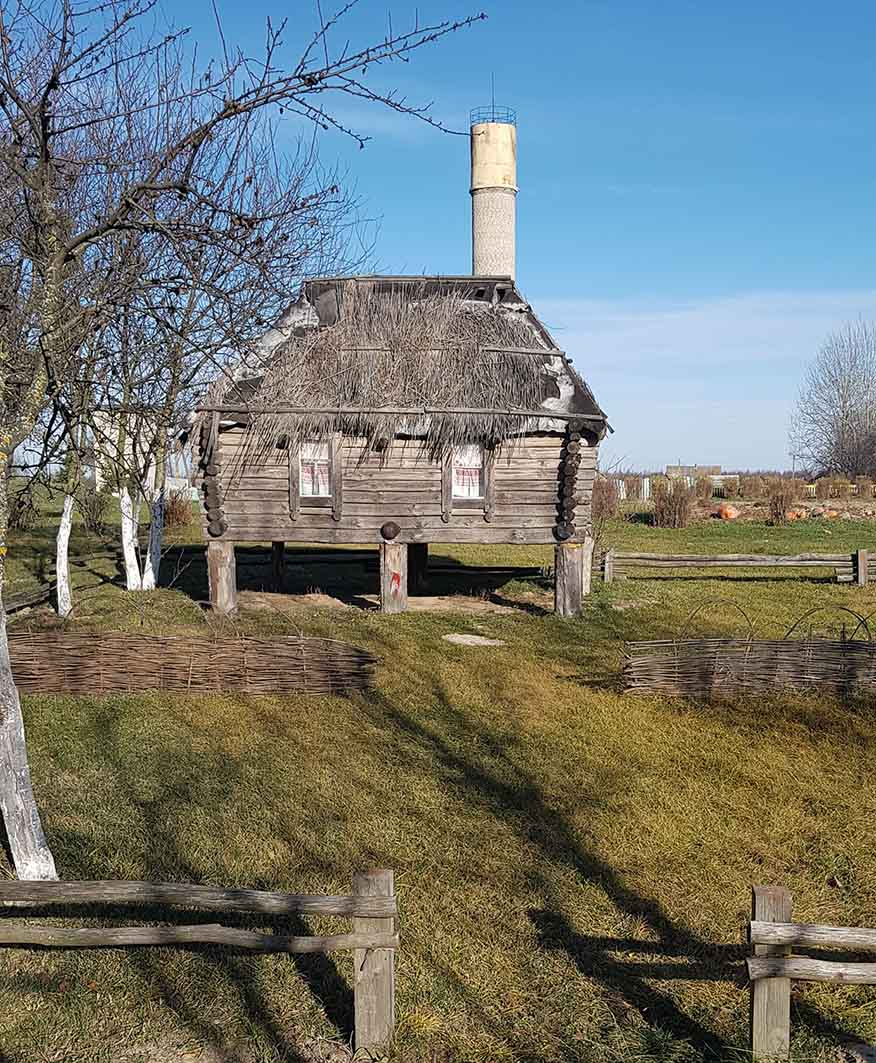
573,864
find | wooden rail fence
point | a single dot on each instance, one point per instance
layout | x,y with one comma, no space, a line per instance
372,907
857,567
772,967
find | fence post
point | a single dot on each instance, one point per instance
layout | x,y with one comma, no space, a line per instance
770,1031
861,563
373,969
608,566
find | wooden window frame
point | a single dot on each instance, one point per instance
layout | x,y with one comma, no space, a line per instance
485,503
335,499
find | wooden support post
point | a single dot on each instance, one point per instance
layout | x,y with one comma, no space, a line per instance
608,566
861,563
770,1034
418,563
373,970
587,566
568,579
393,577
278,565
222,577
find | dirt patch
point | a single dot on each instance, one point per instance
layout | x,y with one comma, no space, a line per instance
288,603
449,603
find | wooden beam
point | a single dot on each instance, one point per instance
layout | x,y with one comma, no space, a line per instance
201,933
393,577
374,970
190,895
767,970
861,565
587,564
770,998
278,564
569,579
222,577
813,935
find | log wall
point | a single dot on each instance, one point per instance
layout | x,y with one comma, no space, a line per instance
404,486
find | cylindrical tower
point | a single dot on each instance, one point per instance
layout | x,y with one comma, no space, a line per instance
493,191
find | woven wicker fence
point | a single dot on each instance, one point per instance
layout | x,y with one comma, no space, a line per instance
50,662
725,666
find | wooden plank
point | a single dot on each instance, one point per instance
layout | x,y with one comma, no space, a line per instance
861,567
814,935
393,577
587,563
293,473
568,579
374,971
608,566
337,478
200,934
189,895
222,577
771,559
770,999
768,970
488,533
447,486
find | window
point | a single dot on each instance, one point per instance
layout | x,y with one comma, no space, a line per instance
315,470
468,472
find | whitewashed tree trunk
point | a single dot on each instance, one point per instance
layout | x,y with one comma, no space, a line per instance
156,537
130,525
62,559
27,843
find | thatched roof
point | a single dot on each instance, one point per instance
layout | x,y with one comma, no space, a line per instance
452,360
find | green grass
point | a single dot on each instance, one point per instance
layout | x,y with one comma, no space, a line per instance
573,864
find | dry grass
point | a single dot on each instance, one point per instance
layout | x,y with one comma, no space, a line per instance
573,865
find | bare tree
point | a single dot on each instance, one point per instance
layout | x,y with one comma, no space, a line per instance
833,428
111,134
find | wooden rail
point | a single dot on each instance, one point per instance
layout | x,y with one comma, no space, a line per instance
772,967
372,906
856,567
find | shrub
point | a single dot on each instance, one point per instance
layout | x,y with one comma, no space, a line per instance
751,487
705,488
673,504
865,487
22,510
178,508
605,500
94,507
781,494
633,485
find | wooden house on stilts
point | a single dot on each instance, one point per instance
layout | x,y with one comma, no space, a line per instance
405,411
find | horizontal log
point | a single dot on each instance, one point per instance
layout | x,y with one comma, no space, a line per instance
189,895
803,969
773,559
202,934
441,533
813,935
534,413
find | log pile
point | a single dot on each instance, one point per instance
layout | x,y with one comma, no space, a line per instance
58,662
724,666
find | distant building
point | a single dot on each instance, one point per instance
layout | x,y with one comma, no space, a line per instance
695,471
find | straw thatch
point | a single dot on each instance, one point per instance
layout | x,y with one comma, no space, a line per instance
61,663
406,347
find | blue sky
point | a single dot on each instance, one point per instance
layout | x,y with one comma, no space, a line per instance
696,207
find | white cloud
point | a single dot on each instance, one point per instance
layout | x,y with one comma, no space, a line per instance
709,380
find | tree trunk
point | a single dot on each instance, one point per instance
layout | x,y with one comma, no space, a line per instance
62,559
130,524
152,564
27,843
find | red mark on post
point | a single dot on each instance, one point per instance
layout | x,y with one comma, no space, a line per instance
395,584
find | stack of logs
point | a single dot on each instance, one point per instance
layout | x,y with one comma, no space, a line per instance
216,523
568,479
